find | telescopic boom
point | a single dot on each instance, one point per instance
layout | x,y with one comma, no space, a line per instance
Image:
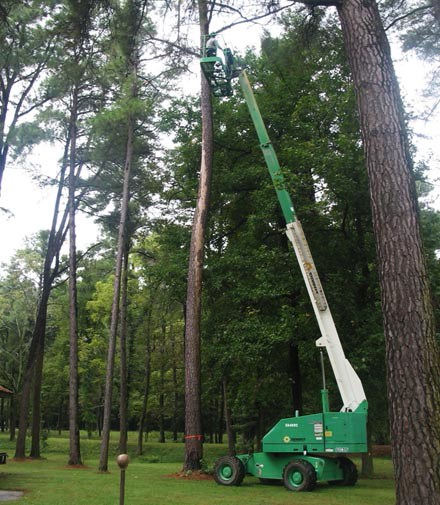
348,382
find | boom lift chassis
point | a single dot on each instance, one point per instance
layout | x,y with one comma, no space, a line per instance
299,450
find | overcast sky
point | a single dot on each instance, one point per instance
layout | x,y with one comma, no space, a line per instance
30,207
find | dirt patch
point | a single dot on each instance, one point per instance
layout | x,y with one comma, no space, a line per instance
190,476
25,460
381,450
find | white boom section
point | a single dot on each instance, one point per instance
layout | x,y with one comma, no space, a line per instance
349,384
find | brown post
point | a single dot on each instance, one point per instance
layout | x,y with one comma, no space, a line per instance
122,460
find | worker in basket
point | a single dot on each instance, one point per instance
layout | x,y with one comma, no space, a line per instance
212,45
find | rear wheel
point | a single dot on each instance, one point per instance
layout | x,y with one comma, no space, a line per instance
349,473
229,471
299,475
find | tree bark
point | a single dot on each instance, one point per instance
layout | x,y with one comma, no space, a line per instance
175,384
36,403
2,415
12,419
50,271
146,391
228,421
38,334
413,365
367,462
74,438
193,419
162,382
123,356
103,459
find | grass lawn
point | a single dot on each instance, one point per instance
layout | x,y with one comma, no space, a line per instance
50,482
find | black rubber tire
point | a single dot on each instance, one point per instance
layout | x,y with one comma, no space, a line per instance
229,471
299,475
349,472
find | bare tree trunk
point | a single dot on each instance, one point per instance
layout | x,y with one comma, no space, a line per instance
175,383
33,371
367,463
74,439
220,417
193,420
12,418
413,364
60,416
146,390
2,415
39,329
162,383
50,271
103,459
228,421
36,404
123,355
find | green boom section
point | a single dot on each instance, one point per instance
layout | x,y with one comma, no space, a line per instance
268,150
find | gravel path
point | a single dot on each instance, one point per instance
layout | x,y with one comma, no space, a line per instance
10,495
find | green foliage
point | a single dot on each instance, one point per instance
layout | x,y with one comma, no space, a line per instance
28,45
255,305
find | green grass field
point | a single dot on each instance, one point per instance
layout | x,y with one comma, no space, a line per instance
153,479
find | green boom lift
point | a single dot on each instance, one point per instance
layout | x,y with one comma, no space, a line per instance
299,450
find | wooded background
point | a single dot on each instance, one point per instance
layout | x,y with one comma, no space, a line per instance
96,78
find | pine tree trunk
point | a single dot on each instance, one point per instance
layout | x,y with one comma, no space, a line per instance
123,356
3,156
175,384
35,451
146,390
74,439
162,384
228,422
193,419
37,335
220,417
54,244
367,462
12,418
106,422
413,365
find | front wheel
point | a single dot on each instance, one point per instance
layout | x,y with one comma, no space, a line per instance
229,471
299,475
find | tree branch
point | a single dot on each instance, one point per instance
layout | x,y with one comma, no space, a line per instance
252,19
408,14
185,50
